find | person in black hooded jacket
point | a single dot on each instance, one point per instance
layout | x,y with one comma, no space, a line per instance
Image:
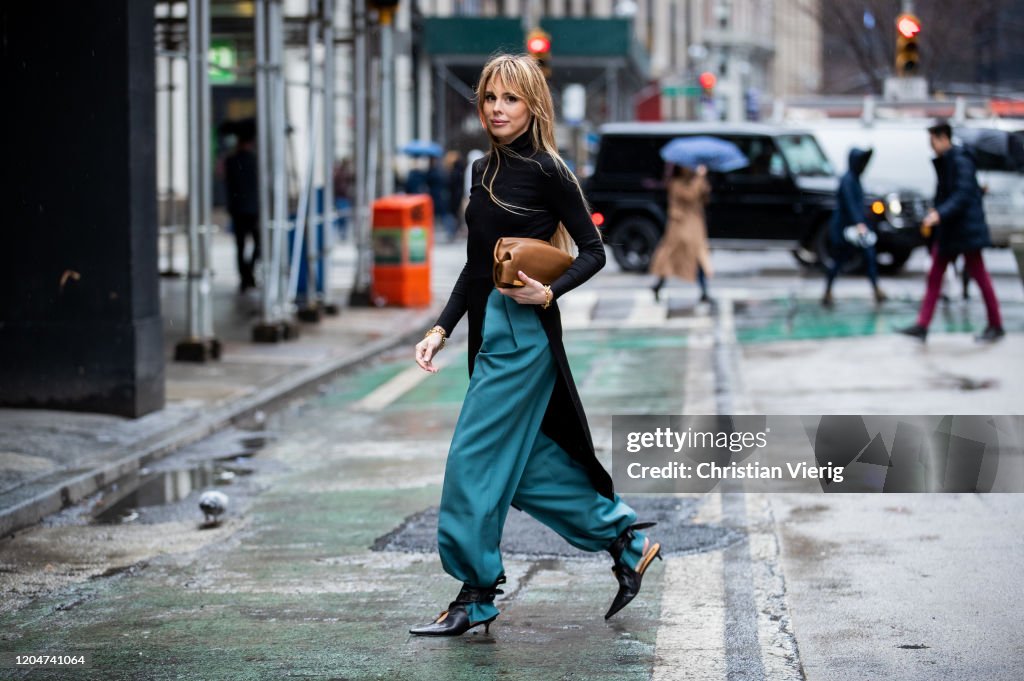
958,221
850,212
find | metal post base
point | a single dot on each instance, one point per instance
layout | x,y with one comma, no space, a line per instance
197,350
309,314
274,333
171,274
330,309
360,299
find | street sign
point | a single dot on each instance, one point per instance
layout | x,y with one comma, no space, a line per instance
905,89
680,91
223,61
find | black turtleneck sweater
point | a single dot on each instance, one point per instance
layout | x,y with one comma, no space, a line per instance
542,196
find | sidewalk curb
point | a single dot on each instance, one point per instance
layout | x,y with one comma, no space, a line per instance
81,484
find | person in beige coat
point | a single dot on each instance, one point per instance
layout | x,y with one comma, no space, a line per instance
683,252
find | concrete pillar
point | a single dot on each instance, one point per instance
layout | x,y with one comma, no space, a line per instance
80,325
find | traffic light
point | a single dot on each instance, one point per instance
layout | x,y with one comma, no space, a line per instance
386,10
707,81
908,55
538,44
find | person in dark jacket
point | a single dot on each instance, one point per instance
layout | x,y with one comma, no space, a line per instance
437,187
850,213
958,221
522,437
242,179
456,178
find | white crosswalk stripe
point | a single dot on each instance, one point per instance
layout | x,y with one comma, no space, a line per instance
646,312
698,637
577,308
390,391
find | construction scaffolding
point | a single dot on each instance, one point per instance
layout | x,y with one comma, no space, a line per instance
295,234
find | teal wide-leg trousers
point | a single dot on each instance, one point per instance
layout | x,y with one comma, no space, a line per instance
499,457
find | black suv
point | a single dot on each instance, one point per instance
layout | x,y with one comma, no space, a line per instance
783,199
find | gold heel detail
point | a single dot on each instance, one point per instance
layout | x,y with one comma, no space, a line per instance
655,552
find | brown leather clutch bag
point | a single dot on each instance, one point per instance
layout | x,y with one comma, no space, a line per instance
535,257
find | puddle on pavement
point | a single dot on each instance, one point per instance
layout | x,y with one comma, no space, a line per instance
120,502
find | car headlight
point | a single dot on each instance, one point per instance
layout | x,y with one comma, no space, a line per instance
895,205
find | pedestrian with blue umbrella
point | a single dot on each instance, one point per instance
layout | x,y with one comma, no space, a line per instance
683,251
417,148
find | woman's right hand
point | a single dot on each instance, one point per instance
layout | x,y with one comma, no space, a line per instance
425,351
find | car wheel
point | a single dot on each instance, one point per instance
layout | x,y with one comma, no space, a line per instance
823,247
806,256
807,252
633,242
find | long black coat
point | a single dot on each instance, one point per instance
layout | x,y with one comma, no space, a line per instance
958,200
565,422
546,196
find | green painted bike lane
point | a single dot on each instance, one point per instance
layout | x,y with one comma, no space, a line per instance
787,319
297,591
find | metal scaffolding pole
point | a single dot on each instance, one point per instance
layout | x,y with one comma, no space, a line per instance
360,294
305,225
268,316
387,100
327,26
440,111
205,172
200,345
279,158
270,84
171,215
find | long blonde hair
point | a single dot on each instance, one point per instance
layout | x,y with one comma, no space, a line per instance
521,75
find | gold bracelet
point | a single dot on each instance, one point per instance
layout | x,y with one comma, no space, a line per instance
437,329
550,297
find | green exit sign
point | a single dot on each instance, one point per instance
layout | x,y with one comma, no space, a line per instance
223,62
680,91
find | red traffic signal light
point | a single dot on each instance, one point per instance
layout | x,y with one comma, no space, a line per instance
538,44
707,80
908,25
908,54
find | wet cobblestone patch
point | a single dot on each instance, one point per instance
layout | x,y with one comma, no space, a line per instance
527,537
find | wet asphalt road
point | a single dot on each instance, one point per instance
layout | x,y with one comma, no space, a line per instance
326,557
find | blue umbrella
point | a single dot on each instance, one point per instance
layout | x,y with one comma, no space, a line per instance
423,148
717,154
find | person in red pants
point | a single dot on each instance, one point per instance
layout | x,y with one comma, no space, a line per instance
958,220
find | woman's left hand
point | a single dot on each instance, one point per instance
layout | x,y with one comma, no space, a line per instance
532,293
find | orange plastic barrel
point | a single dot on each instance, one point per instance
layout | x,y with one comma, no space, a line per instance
403,239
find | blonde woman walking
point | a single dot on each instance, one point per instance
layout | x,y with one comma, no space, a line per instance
522,437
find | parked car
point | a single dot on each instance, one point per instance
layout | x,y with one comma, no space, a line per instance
783,200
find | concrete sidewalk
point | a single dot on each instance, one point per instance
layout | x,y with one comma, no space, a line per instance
50,459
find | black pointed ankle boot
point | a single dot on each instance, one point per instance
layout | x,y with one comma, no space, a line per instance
630,578
455,620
